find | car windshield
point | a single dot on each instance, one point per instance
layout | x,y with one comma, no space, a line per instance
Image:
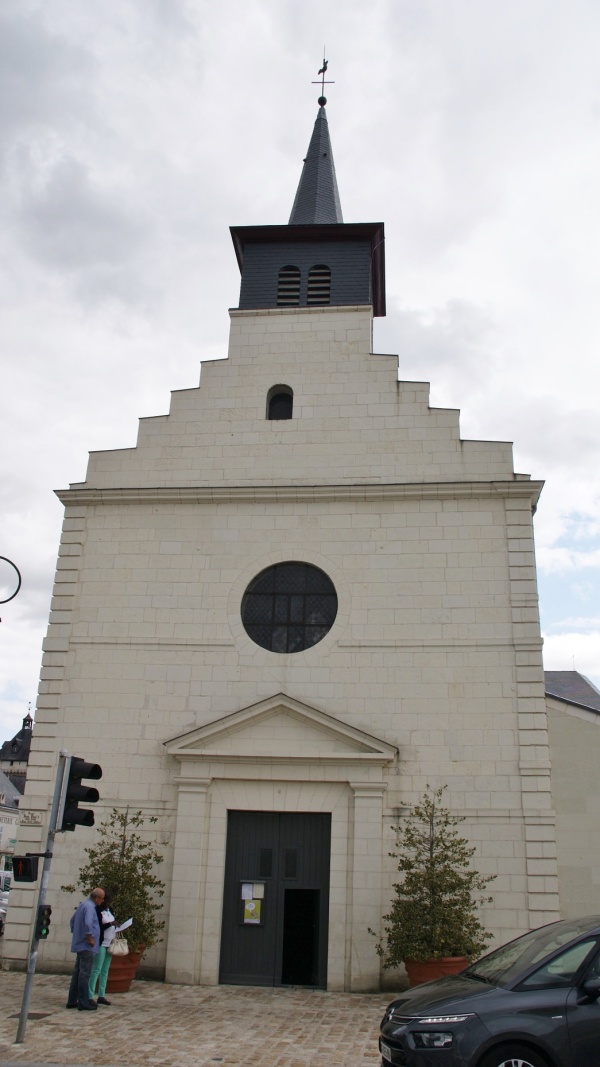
509,961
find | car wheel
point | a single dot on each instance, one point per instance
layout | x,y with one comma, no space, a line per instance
513,1056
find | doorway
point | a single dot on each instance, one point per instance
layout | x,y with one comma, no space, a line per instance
300,956
276,899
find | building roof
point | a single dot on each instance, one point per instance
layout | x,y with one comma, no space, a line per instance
17,750
317,198
9,791
573,688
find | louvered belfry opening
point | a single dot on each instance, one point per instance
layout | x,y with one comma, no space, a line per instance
319,285
288,287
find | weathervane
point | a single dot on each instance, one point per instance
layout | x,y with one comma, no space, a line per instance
323,99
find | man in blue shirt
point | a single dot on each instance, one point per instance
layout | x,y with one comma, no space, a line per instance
85,942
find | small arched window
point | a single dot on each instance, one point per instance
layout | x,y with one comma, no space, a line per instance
319,285
280,402
288,287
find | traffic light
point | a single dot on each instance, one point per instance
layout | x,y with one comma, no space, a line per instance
75,791
42,925
25,868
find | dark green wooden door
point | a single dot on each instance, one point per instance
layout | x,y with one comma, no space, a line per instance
276,899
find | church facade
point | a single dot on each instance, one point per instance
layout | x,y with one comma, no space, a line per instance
296,602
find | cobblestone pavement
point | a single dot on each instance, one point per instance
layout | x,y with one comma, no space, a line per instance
192,1026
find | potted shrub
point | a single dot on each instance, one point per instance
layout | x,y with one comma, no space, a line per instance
123,862
432,926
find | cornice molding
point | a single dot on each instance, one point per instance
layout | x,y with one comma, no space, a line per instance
323,309
77,496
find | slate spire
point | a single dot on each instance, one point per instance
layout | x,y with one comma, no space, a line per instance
317,199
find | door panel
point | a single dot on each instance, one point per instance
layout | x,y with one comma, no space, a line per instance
276,899
584,1022
584,1031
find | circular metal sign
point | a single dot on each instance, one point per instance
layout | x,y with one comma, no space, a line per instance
10,580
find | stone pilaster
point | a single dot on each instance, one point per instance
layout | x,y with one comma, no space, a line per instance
188,883
365,884
534,753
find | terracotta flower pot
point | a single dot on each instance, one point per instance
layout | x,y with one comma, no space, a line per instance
122,971
420,971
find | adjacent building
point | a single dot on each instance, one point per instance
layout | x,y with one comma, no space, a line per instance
573,709
9,820
14,755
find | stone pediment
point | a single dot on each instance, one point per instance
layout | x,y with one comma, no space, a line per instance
279,728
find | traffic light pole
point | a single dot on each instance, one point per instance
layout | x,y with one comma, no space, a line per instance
63,763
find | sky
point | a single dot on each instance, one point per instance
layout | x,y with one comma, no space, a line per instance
133,133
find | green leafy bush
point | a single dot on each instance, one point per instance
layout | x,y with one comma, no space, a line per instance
434,911
123,863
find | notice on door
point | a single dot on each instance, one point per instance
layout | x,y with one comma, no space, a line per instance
252,912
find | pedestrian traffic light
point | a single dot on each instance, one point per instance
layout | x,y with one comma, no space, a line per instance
25,868
42,926
75,791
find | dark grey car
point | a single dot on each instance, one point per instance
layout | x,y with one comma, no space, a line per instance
531,1003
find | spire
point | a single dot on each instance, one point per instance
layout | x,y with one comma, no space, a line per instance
317,199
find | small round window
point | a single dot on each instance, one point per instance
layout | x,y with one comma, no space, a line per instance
289,607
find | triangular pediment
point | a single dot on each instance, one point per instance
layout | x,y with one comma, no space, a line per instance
277,728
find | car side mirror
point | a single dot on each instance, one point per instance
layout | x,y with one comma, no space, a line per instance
589,991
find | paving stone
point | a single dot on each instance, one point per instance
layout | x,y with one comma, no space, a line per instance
193,1026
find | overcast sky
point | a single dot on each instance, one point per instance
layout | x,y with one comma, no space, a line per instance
133,133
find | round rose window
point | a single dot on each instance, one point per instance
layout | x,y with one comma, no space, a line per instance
289,607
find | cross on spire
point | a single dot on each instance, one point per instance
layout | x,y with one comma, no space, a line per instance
323,99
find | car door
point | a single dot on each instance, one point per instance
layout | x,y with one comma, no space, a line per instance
551,994
584,1021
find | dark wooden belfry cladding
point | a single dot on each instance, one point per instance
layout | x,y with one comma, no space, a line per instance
353,252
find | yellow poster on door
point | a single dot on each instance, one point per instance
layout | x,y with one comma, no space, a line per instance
252,911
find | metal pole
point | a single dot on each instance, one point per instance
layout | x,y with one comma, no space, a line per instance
33,952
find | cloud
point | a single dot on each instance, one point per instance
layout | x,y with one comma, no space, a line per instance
44,78
561,559
73,225
574,651
585,623
457,334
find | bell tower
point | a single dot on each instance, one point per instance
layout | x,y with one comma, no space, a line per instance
317,259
